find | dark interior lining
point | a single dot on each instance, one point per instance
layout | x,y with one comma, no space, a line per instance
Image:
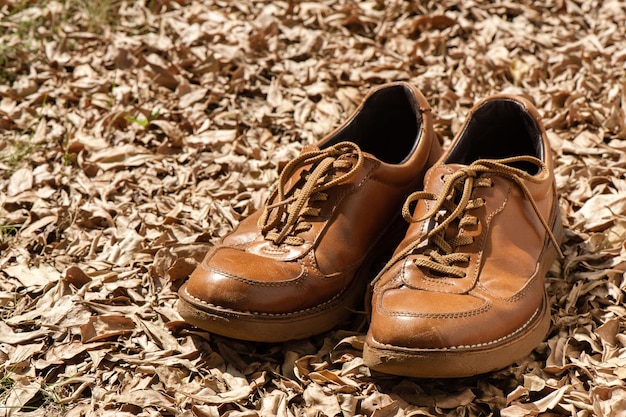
500,128
387,127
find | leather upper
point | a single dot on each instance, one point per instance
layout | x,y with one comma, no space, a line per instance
305,245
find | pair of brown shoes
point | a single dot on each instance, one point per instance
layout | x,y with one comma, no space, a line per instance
462,291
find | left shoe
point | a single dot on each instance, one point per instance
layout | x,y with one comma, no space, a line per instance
464,292
300,265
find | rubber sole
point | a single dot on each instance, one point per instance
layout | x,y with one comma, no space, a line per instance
259,327
272,328
459,362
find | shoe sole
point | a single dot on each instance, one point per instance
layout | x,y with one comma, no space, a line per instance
272,328
467,361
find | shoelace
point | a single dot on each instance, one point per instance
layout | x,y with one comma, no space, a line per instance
282,218
442,253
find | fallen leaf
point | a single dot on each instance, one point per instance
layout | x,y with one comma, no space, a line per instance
105,327
19,395
20,181
33,276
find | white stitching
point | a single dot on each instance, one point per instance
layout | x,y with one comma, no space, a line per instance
255,313
478,345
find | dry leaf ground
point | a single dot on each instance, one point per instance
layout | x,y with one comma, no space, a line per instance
134,134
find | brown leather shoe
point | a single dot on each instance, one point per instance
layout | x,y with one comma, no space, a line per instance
464,292
300,265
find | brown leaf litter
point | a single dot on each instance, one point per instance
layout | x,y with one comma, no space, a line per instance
133,135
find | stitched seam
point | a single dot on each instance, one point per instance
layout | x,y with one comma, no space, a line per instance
255,313
437,281
477,345
258,283
470,313
272,251
368,176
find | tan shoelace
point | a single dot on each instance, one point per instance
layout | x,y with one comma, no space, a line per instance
282,218
442,253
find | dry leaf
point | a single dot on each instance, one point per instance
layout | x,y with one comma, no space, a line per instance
18,396
21,180
28,276
9,336
105,327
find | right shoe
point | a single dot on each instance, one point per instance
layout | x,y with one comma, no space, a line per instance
301,264
464,293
